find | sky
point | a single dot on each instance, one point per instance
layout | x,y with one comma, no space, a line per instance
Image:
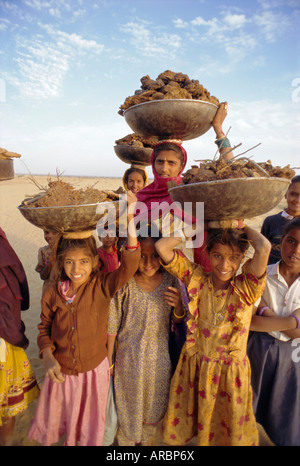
66,66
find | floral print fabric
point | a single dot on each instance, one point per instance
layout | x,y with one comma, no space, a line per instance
210,393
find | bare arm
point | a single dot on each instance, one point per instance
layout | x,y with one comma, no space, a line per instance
131,202
165,248
217,125
270,321
262,248
172,297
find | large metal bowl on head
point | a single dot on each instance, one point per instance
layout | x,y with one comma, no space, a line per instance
171,118
236,198
71,218
134,155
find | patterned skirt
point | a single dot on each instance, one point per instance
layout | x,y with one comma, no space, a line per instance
18,385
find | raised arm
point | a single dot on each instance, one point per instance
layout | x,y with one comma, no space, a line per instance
165,248
221,140
131,238
262,248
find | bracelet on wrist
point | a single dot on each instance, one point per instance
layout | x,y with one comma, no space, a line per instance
112,365
223,143
297,320
179,317
262,310
133,247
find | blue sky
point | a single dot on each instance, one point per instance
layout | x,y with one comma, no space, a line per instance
67,65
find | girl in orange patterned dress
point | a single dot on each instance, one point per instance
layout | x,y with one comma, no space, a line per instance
210,394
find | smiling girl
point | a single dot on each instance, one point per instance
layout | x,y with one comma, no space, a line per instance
73,340
210,394
139,320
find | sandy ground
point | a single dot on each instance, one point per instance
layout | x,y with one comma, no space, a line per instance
26,239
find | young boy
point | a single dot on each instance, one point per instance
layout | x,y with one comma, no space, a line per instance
274,225
108,252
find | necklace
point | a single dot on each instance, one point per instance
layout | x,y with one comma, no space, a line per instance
218,316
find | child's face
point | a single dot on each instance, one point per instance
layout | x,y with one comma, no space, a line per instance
135,182
167,164
149,263
78,265
290,249
293,199
50,236
225,262
108,241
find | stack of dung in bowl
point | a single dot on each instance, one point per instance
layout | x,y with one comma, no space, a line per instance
61,208
233,189
171,107
175,107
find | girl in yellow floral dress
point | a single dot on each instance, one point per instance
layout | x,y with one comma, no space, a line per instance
210,394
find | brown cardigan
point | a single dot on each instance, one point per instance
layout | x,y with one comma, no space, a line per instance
77,332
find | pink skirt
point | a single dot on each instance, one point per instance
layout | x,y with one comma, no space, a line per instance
74,408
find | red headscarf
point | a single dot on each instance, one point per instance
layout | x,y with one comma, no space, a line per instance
157,192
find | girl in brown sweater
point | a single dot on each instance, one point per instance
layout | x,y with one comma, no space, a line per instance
73,340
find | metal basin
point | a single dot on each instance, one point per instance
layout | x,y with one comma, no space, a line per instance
131,154
237,198
71,218
171,118
7,169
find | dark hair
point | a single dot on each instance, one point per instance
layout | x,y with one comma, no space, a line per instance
295,179
295,223
230,236
63,245
133,170
148,230
168,146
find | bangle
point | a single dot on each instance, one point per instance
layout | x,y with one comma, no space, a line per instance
179,317
297,319
112,366
223,143
133,247
262,310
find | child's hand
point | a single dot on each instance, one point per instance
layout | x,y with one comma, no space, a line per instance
47,256
226,224
131,201
172,297
220,117
52,368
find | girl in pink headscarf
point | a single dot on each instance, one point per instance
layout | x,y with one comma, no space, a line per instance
168,160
